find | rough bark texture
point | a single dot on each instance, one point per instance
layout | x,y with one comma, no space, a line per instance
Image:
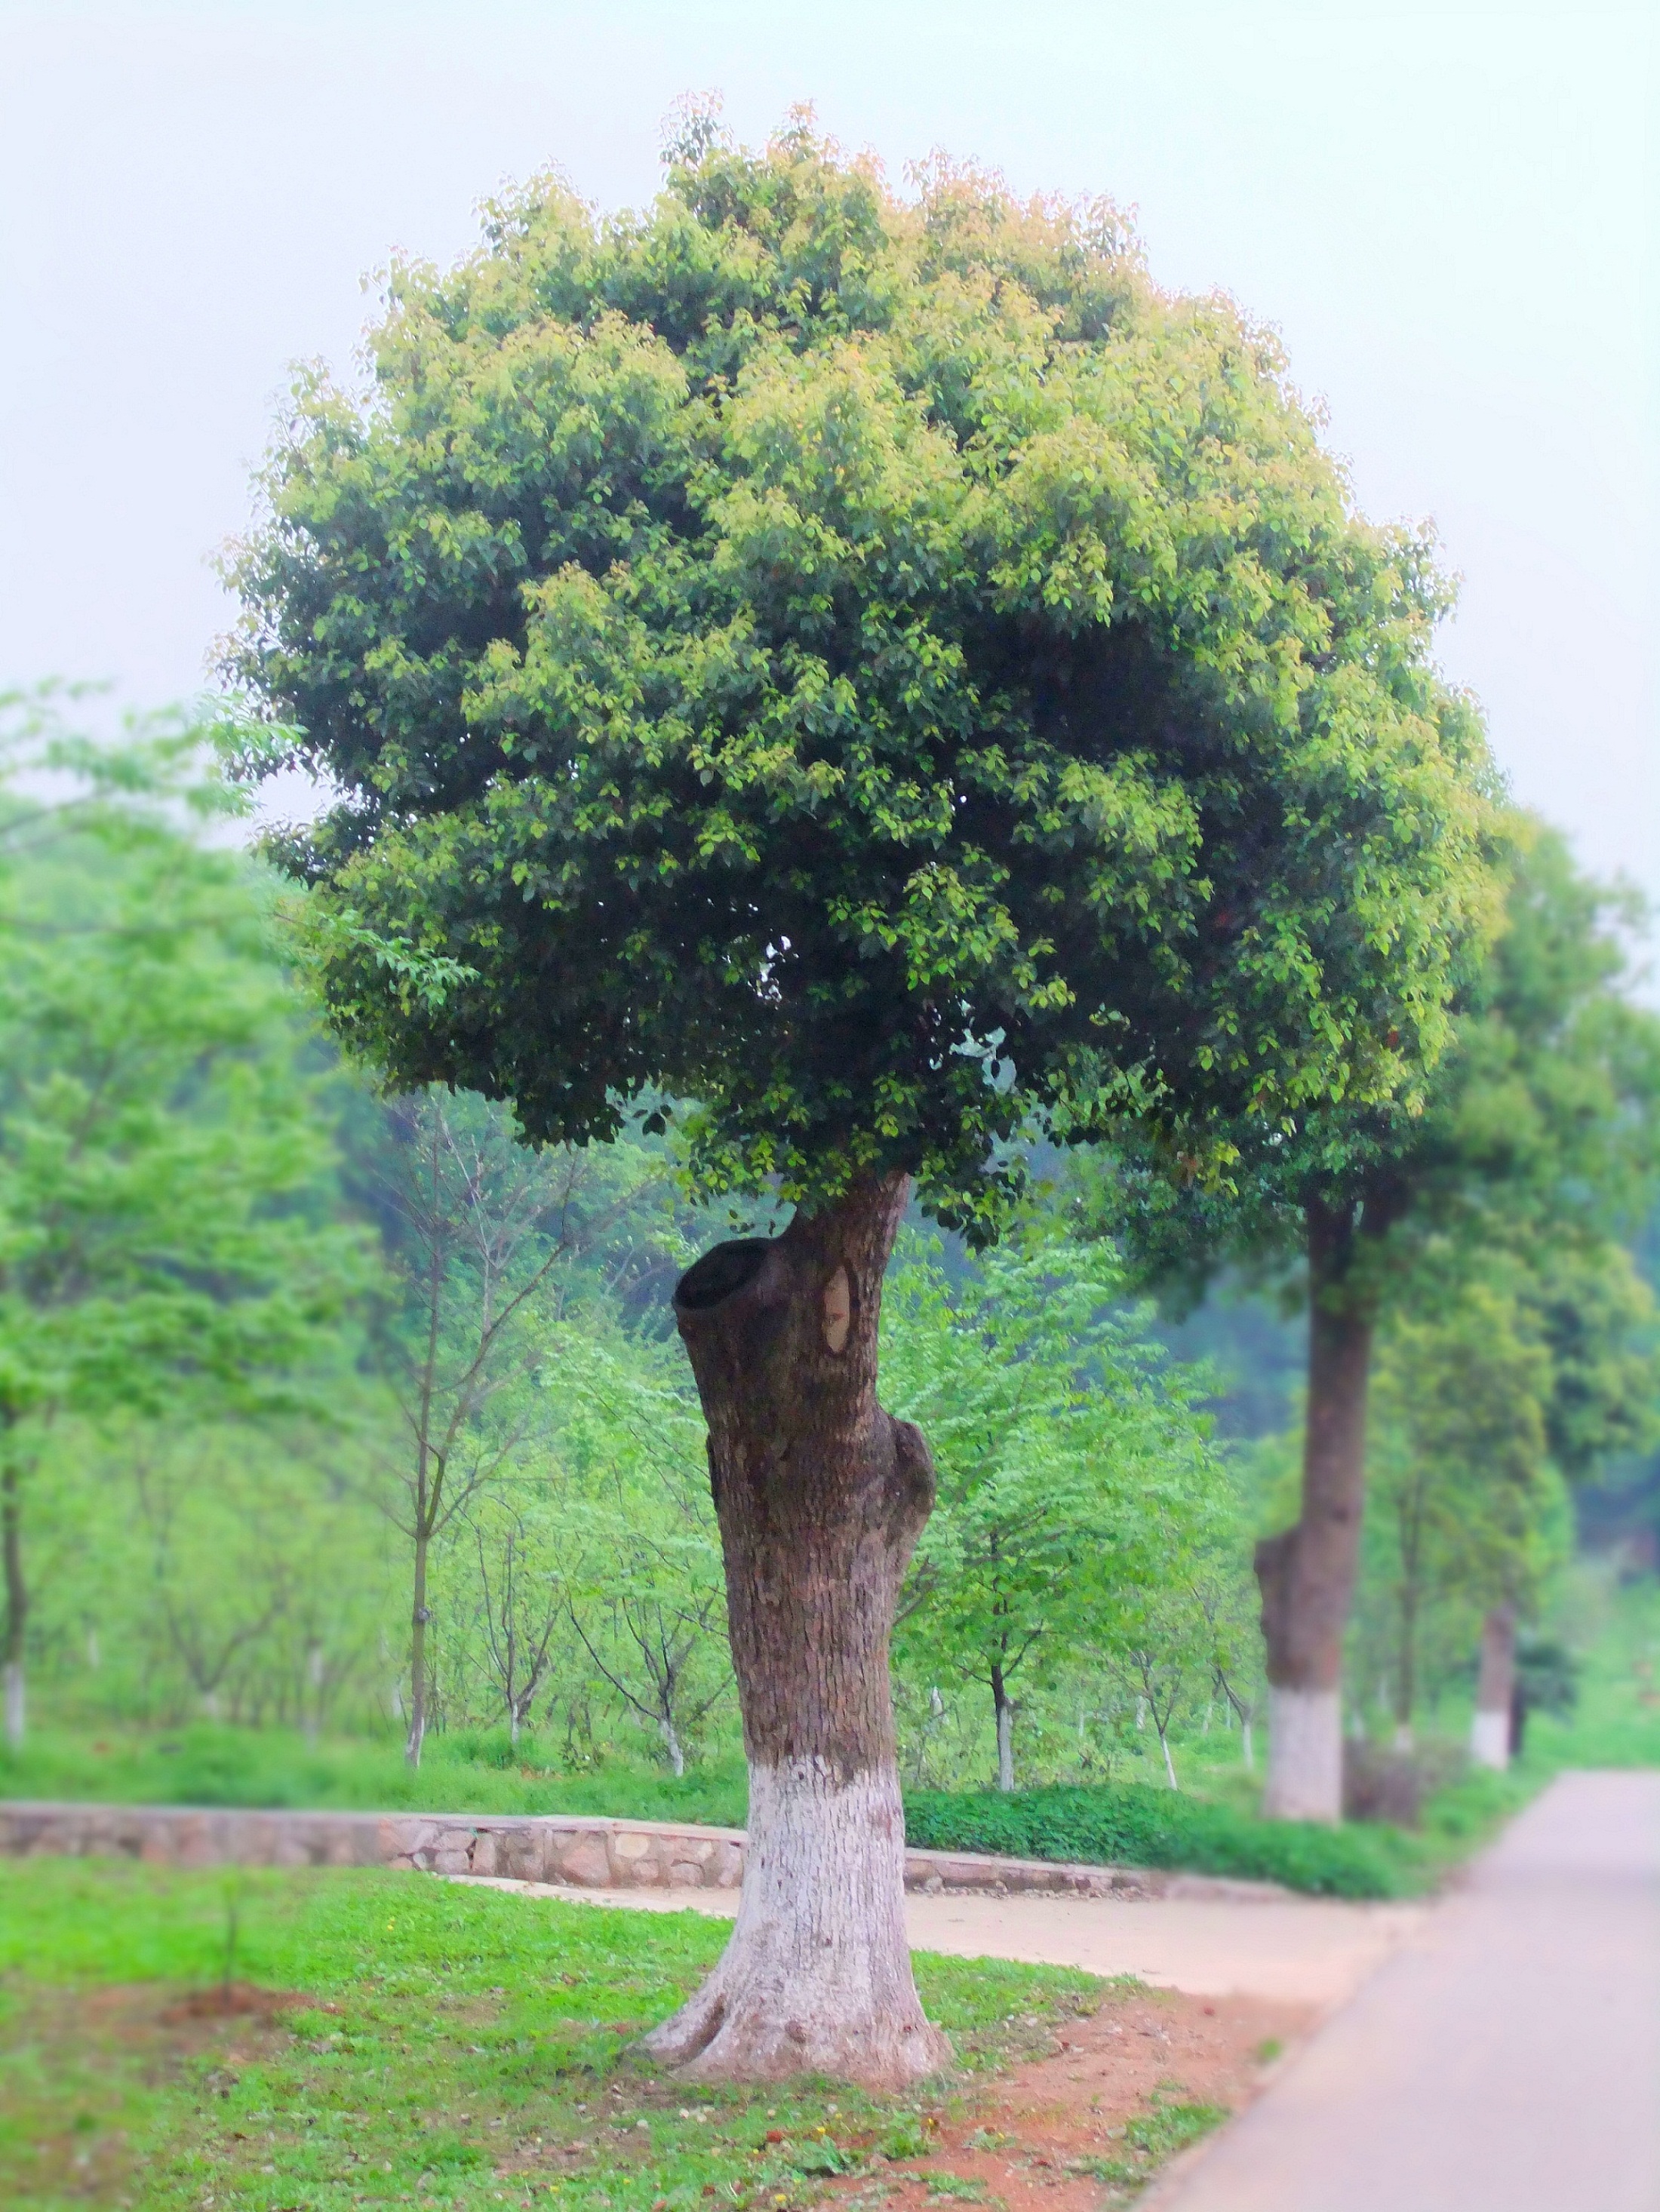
1307,1573
821,1497
1490,1729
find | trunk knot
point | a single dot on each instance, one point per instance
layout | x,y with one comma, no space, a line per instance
838,1310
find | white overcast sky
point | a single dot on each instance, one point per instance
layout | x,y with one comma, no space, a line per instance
1450,211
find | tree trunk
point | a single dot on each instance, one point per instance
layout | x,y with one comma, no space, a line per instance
419,1617
1490,1729
1005,1712
820,1497
1307,1574
672,1745
17,1597
1406,1681
1170,1763
1247,1748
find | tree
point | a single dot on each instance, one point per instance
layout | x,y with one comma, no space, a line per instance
1463,1481
165,1238
1534,1136
477,1227
1069,1466
520,1603
883,672
643,1584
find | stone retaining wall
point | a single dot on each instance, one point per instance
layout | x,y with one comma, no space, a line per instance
570,1849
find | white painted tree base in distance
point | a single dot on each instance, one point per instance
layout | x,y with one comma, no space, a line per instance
1305,1756
1490,1739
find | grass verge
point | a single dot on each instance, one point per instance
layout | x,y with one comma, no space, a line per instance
391,2040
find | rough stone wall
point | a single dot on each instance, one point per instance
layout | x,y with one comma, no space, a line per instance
565,1848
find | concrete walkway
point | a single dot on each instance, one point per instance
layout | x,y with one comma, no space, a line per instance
1305,1950
1505,2059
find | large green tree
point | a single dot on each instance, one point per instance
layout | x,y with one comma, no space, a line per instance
884,671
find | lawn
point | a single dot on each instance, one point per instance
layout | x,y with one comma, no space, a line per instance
428,2043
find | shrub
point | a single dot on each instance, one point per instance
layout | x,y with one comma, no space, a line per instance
1124,1825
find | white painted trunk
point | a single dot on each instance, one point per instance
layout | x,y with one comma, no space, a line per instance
1170,1763
1490,1739
1305,1755
817,1977
1005,1747
1404,1739
672,1745
17,1705
1248,1747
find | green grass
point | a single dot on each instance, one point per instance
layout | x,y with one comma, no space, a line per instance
469,1771
450,2046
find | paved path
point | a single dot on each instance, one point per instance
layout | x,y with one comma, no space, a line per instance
1507,2059
1309,1950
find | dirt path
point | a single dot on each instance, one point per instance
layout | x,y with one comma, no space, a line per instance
1300,1951
1507,2060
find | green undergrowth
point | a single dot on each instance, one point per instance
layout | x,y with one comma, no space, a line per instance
1127,1825
1124,1824
428,2044
465,1773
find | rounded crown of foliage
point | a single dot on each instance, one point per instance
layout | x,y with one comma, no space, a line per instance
875,666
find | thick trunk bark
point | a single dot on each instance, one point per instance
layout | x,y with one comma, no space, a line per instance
17,1597
1490,1731
1005,1712
821,1497
1307,1574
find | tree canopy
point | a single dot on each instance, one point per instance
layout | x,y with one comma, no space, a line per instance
877,667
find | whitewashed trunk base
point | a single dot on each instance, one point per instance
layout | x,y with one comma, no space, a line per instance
16,1705
1490,1739
817,1977
1305,1756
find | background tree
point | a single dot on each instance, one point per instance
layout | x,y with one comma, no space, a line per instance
644,1586
1070,1464
1535,1137
164,1235
1462,1486
882,671
477,1225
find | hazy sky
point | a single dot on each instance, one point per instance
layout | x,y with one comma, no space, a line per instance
1450,211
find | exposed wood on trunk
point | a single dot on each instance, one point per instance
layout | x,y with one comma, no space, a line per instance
821,1497
1307,1573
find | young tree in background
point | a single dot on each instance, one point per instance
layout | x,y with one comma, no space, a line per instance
478,1226
643,1577
1461,1476
1070,1465
881,670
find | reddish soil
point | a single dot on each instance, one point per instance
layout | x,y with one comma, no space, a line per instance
1049,2133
